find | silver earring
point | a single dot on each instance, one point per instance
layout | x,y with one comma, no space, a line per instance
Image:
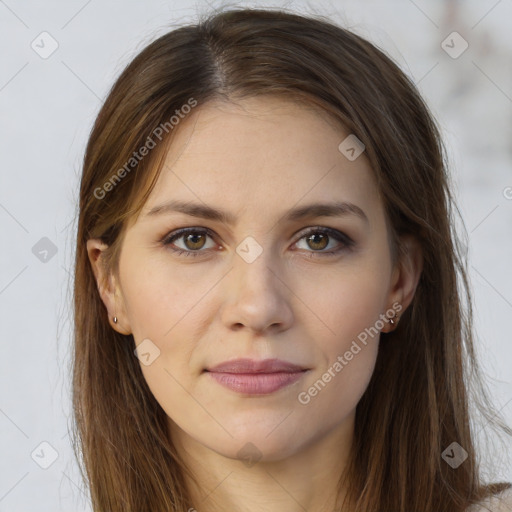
394,320
115,319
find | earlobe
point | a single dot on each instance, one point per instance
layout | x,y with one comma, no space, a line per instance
107,286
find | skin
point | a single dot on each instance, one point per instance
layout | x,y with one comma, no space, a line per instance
257,159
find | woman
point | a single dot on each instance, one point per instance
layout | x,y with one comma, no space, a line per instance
266,300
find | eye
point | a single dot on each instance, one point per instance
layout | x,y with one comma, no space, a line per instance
194,240
319,238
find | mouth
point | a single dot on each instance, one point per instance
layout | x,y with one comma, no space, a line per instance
249,376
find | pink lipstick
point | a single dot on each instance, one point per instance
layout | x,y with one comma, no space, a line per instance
251,376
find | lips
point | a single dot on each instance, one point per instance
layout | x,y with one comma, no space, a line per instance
255,366
255,377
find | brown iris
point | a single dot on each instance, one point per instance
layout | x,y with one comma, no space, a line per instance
193,237
314,238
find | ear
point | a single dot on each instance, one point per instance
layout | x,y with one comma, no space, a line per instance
406,275
108,287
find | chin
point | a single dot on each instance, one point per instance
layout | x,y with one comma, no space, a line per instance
257,447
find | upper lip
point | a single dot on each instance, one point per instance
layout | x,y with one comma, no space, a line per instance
256,366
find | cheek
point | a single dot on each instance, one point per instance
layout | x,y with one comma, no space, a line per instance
165,306
347,360
345,301
348,304
159,297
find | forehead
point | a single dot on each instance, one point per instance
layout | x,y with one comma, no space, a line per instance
261,154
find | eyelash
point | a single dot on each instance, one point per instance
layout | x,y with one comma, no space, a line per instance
345,240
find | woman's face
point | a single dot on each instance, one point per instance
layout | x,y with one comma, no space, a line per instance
253,281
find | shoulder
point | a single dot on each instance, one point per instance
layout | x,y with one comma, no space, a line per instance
501,502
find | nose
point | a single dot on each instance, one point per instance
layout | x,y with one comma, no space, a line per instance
257,296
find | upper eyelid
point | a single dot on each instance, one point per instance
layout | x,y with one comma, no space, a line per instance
176,234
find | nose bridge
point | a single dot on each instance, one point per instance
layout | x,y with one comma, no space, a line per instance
256,297
254,262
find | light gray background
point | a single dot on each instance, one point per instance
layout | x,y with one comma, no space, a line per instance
47,107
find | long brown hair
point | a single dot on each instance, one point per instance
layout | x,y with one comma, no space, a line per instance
418,401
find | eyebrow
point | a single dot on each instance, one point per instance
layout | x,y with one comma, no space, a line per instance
332,209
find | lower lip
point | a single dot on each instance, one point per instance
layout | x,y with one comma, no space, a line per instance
256,383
